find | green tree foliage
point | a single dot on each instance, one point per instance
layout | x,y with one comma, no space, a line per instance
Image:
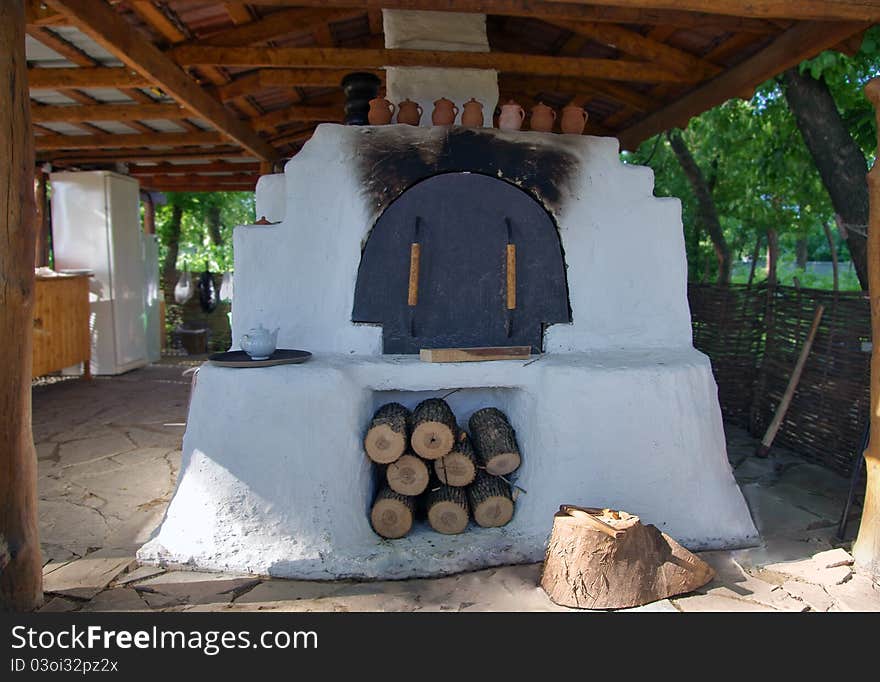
761,173
199,243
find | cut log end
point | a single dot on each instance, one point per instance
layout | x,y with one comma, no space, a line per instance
409,475
503,463
392,514
494,512
448,510
384,445
459,467
432,440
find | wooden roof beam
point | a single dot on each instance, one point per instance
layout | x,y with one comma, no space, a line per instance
299,20
815,10
637,45
299,113
507,62
106,141
792,47
577,86
103,24
187,168
638,13
107,112
92,156
94,77
262,79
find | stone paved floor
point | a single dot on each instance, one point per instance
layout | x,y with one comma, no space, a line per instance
109,452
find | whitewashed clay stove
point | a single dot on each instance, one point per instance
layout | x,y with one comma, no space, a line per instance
619,411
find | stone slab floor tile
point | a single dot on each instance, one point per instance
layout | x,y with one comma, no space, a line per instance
86,577
699,603
116,599
179,588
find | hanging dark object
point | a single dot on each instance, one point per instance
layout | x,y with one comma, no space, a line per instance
208,294
359,88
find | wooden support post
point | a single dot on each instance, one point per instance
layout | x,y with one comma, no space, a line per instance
21,580
41,248
149,213
866,549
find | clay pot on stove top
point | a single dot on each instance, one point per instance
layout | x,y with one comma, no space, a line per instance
409,112
512,116
444,112
381,111
574,120
543,118
472,114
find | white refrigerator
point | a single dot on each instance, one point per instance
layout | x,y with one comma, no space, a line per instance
96,226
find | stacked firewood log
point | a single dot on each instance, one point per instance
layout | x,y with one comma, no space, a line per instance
428,465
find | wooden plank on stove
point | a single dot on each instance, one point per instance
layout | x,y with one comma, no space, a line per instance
481,354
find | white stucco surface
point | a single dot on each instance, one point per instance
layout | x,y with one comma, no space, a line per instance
446,31
274,479
270,198
620,411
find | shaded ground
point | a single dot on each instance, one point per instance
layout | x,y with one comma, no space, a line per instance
109,453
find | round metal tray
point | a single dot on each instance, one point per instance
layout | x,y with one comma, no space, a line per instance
238,358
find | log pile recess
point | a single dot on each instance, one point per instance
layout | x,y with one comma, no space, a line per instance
428,465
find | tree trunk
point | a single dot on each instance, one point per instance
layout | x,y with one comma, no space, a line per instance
707,215
772,256
800,249
838,158
212,217
866,549
21,581
169,267
434,428
149,213
589,568
494,441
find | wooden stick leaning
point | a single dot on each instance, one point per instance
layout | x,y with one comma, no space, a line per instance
764,448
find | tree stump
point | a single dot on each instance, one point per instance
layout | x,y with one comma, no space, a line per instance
388,434
448,510
392,514
605,559
490,500
434,428
409,475
459,467
494,441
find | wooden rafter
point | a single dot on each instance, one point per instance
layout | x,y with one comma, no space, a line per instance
508,62
282,23
789,49
299,113
637,13
262,79
97,156
104,25
187,168
95,77
637,45
173,140
106,112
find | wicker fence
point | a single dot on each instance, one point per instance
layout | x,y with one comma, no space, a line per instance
753,336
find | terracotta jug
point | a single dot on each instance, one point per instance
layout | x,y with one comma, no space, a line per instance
512,116
543,118
381,111
409,112
574,119
444,113
472,114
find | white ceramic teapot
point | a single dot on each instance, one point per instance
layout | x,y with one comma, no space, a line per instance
259,343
